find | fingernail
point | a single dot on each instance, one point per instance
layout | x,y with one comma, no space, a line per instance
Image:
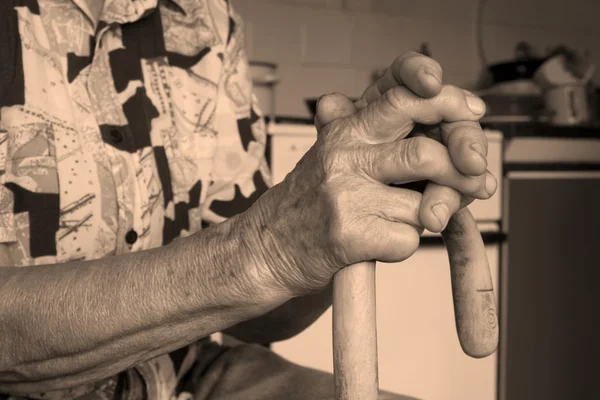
478,148
431,71
476,105
490,184
441,212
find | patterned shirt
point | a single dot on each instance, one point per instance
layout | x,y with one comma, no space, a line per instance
122,129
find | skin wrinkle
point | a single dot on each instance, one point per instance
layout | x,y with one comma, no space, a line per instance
280,224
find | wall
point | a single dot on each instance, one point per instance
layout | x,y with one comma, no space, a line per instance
323,46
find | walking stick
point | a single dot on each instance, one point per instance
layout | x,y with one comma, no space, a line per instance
354,311
355,333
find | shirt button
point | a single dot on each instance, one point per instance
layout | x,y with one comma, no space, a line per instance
131,237
116,136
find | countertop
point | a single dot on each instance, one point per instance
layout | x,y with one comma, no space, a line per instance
510,130
540,129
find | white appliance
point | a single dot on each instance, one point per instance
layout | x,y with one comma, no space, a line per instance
419,352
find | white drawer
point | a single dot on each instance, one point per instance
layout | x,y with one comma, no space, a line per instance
286,151
290,142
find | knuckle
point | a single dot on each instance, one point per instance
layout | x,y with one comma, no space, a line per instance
415,154
332,97
399,61
452,89
396,97
345,227
471,133
474,185
370,160
436,64
451,93
327,97
340,153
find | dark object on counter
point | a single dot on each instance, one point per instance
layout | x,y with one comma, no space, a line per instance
513,105
312,106
514,70
522,67
543,130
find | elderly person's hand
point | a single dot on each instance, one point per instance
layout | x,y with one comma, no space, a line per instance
336,207
465,140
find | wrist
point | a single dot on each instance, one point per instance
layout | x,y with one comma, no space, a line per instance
256,249
237,264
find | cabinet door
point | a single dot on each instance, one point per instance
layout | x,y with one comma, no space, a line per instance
550,330
286,151
419,352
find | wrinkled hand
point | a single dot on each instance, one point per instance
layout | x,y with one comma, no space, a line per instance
336,207
466,142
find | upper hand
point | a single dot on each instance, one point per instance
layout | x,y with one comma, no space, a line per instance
466,142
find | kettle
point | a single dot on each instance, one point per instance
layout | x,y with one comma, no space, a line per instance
564,79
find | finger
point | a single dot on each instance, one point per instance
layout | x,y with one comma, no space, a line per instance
438,204
379,202
331,107
394,114
392,241
421,158
419,73
392,228
475,310
394,205
430,131
467,145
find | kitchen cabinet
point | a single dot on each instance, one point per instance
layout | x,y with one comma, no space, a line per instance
549,325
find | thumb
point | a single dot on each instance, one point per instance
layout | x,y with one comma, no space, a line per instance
331,107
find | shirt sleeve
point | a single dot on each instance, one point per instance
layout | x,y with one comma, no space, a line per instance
240,172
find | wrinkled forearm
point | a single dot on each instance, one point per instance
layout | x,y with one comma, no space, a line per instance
286,321
69,324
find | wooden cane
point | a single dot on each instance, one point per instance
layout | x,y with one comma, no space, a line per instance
475,310
354,310
355,333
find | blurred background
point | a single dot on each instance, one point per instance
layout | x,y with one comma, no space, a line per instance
322,46
534,64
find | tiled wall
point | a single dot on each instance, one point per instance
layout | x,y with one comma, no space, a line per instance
323,46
